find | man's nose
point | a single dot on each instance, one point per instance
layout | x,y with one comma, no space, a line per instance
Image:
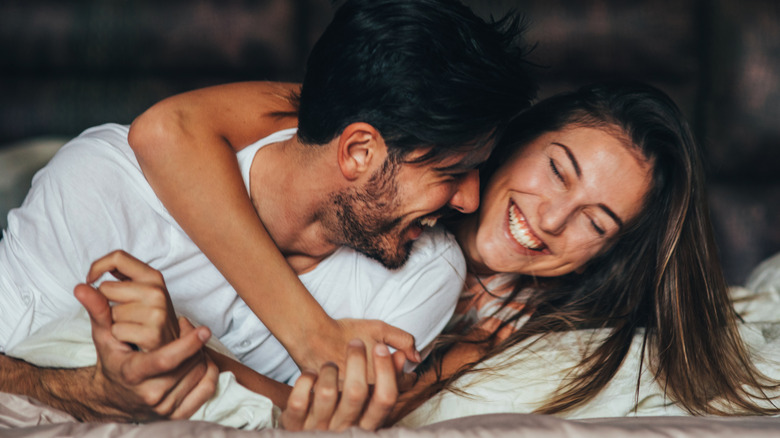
466,196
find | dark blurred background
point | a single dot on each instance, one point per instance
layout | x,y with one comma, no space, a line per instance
68,65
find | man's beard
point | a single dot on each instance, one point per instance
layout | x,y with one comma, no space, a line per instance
364,218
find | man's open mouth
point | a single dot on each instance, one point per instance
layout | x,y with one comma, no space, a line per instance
428,221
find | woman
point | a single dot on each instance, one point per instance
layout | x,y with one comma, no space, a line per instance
609,229
659,275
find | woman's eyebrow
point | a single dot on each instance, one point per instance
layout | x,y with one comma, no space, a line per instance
578,171
573,160
613,215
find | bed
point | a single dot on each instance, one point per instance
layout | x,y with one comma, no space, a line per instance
139,52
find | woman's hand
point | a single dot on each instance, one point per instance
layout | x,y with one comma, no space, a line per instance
317,404
323,345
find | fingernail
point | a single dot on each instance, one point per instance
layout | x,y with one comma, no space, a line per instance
204,335
381,350
417,356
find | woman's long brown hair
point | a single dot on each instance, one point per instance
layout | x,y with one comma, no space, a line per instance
661,279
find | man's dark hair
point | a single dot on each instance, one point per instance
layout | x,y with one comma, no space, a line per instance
424,73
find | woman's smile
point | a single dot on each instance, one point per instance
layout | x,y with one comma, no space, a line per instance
520,231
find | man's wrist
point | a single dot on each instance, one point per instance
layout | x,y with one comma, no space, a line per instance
76,391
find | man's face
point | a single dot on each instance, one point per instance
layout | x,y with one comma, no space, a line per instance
384,217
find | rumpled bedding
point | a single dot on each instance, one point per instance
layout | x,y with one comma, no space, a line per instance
520,381
498,403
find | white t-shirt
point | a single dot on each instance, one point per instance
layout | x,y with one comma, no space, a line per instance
92,198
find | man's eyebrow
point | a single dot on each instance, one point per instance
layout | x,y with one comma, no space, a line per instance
613,215
573,160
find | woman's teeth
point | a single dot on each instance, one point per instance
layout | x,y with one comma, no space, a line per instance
428,221
518,227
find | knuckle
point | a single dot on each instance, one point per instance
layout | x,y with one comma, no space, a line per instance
297,404
162,362
328,393
210,386
152,397
356,393
212,371
404,338
156,315
164,411
199,371
93,265
386,399
156,296
130,378
116,255
157,277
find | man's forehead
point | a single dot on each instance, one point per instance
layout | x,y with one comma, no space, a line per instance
467,160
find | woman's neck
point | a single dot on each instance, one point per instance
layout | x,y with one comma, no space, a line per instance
465,232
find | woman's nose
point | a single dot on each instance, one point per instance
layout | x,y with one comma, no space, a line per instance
554,215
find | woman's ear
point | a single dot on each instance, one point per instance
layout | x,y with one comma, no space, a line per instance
360,149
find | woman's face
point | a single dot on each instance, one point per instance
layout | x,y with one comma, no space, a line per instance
558,202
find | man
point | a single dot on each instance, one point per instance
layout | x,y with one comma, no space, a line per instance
401,102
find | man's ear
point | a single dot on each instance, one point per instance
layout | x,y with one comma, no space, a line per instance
360,148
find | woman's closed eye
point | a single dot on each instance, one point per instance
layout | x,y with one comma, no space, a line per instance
601,231
555,171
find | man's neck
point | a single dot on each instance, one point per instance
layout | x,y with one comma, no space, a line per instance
288,184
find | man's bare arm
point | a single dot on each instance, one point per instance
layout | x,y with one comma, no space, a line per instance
89,394
64,389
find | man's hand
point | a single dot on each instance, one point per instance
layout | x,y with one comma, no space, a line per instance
145,371
316,403
324,346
